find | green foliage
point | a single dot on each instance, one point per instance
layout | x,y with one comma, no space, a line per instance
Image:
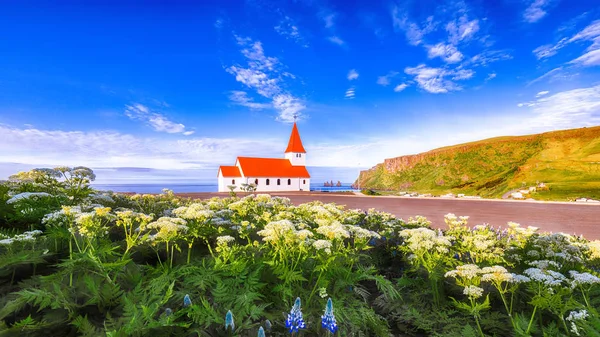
369,192
125,272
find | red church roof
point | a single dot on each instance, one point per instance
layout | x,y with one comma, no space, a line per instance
272,167
230,171
295,144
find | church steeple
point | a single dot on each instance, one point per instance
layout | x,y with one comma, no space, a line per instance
295,143
295,152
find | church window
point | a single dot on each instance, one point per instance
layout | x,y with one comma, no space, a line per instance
267,181
299,155
278,181
304,181
256,182
289,181
232,181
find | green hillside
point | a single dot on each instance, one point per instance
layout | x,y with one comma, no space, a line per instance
567,161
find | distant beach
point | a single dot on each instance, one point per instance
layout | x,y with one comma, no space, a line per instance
191,188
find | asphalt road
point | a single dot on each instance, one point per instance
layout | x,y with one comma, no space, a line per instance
579,219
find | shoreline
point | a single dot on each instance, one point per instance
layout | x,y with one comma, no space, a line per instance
207,195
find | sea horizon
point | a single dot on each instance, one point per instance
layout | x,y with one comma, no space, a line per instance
191,187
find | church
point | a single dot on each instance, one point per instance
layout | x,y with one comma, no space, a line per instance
269,174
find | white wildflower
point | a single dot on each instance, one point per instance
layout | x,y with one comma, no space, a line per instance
26,196
324,245
224,240
545,264
548,277
334,230
496,274
425,239
362,233
467,271
473,291
277,230
578,315
516,278
583,278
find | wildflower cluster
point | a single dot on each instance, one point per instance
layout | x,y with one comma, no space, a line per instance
25,237
295,321
328,319
27,196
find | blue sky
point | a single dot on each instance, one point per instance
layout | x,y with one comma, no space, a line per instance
181,87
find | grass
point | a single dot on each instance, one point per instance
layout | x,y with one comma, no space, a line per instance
567,161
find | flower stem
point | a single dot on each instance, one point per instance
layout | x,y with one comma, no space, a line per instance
479,326
531,320
189,253
70,258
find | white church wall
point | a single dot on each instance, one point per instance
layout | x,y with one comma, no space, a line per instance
223,182
297,159
297,184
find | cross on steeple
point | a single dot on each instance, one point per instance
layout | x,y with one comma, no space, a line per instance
295,117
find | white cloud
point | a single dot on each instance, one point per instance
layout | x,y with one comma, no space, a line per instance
113,149
542,93
572,108
536,10
438,80
591,58
462,74
552,74
489,56
446,52
413,31
335,39
591,33
490,77
352,75
385,80
350,93
400,87
549,50
241,98
289,107
328,18
461,29
262,75
157,121
289,30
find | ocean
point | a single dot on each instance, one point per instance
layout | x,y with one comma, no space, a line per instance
186,188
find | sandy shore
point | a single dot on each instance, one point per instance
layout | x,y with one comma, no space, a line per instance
572,218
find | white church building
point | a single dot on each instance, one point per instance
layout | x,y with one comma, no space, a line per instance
269,174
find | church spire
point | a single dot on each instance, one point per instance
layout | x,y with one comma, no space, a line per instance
295,143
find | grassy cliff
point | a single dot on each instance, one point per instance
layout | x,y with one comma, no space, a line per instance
567,161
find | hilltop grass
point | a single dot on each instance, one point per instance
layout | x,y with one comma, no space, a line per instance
568,162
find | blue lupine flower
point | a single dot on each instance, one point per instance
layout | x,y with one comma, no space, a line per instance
229,321
168,312
295,321
372,242
261,332
456,256
394,253
187,301
328,319
268,325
